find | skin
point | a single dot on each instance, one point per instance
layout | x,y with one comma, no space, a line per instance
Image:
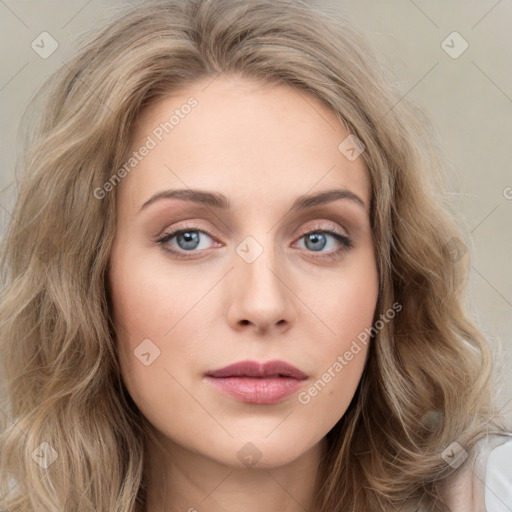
262,146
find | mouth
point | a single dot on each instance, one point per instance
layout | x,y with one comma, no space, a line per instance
257,383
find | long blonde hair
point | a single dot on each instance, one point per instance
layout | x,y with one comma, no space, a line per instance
428,379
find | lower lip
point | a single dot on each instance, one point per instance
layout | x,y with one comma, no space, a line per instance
256,391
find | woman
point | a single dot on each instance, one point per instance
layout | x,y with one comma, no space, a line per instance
228,284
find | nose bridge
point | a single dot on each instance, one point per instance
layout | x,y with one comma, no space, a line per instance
260,296
257,263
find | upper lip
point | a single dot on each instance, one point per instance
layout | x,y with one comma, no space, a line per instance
274,368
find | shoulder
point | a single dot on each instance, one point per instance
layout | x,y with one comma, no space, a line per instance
498,478
483,483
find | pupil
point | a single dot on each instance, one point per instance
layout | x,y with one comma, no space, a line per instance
317,239
191,239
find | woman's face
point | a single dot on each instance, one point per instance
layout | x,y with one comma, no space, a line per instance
255,274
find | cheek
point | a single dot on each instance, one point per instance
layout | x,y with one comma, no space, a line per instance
330,393
341,356
136,299
344,305
347,307
147,301
158,336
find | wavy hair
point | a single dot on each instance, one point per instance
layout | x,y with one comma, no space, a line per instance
429,374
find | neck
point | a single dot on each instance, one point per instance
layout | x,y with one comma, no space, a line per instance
179,480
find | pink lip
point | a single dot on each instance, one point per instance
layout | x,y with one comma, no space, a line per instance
257,383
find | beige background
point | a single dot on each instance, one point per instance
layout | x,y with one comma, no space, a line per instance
469,98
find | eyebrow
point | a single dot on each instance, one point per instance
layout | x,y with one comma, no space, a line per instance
220,201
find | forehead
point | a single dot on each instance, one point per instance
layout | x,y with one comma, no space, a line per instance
222,134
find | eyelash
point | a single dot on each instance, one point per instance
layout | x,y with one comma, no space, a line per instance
345,241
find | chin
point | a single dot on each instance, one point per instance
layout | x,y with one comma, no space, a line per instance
261,452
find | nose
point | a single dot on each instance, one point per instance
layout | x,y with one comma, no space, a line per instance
261,297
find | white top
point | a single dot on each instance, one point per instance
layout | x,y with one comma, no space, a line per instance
498,479
483,482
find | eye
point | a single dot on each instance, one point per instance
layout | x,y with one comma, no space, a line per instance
185,240
329,239
188,241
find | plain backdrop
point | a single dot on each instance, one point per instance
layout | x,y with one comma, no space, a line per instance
467,94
